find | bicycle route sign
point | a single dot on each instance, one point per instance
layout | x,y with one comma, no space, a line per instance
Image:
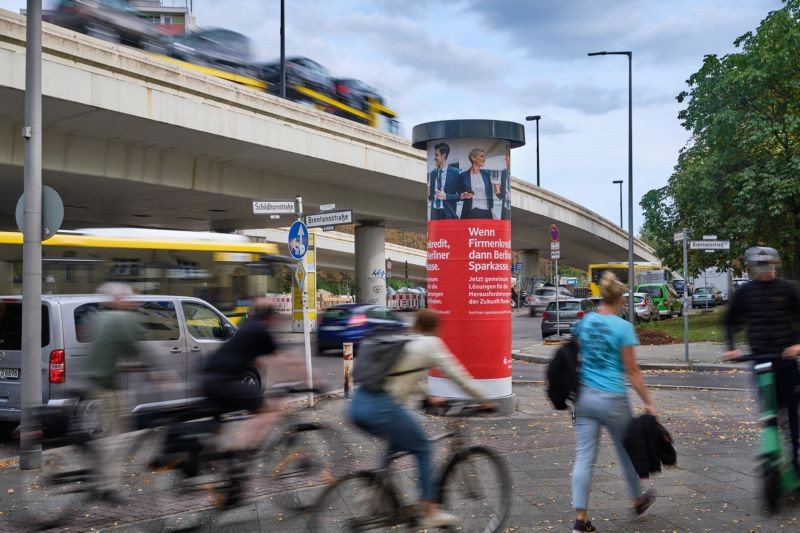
298,240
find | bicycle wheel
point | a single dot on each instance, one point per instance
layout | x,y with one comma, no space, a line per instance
355,502
296,468
53,495
476,487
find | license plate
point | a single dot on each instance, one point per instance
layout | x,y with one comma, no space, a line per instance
332,328
9,373
563,326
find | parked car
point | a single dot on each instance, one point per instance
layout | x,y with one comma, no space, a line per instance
109,20
680,285
668,302
177,331
351,323
562,316
299,71
706,297
540,298
356,93
644,306
218,48
597,300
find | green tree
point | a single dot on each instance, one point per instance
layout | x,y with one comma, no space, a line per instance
739,176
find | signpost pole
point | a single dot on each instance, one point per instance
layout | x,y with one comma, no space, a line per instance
30,454
685,299
298,204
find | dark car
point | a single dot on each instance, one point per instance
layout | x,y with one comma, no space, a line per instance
218,48
680,285
109,20
356,93
351,323
568,313
300,71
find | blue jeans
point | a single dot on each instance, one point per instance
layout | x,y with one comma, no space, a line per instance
596,408
379,415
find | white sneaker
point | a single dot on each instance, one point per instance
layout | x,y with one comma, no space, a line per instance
438,519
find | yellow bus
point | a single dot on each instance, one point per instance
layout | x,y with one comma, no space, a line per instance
224,269
644,272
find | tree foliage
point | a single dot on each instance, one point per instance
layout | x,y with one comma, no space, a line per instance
739,176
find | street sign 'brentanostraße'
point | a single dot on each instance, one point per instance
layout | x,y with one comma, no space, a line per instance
273,208
329,218
709,245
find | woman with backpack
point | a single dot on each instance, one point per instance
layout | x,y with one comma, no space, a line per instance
606,344
378,405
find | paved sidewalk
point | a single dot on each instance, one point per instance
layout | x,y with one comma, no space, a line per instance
714,486
703,356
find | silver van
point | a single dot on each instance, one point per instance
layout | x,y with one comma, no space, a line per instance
177,331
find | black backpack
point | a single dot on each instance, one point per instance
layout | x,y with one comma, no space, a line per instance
562,376
376,356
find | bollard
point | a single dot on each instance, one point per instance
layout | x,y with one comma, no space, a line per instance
347,353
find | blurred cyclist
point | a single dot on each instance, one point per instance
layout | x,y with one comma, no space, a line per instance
770,310
115,347
382,412
226,371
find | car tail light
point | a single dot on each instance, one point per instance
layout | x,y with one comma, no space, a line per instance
357,320
545,316
342,88
581,314
57,366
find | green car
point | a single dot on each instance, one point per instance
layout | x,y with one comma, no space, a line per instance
665,297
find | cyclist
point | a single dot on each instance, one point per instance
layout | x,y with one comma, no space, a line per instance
382,412
115,347
769,309
225,374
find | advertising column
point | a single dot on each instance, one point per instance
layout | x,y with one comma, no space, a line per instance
469,246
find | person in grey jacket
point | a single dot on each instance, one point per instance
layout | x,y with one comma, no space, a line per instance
384,413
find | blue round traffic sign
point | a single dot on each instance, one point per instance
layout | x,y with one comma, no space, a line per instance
298,240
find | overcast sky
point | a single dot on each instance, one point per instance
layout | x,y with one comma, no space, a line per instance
506,59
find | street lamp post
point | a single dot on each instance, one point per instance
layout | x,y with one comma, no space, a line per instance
283,51
619,182
629,54
536,118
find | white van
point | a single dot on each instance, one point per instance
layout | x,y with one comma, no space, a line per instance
177,331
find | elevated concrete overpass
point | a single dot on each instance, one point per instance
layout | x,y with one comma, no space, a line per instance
130,139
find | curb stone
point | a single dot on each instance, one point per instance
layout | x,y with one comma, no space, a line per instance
695,366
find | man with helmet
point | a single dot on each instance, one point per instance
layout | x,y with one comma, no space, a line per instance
769,309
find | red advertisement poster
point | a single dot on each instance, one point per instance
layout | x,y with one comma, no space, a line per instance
469,283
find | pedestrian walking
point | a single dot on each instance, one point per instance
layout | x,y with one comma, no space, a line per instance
606,343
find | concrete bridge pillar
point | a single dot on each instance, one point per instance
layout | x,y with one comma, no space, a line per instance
371,262
530,268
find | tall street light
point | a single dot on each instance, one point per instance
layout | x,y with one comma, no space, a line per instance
629,54
536,118
619,182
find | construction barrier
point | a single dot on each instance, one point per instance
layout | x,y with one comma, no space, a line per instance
406,301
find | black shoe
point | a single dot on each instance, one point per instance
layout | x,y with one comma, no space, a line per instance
645,502
582,526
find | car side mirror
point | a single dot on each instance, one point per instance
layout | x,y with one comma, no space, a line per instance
227,331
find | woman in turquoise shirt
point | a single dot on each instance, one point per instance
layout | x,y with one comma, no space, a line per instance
606,345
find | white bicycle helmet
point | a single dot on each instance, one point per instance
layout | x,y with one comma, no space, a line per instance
761,259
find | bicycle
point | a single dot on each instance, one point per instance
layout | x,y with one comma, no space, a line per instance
54,493
474,483
181,453
778,474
